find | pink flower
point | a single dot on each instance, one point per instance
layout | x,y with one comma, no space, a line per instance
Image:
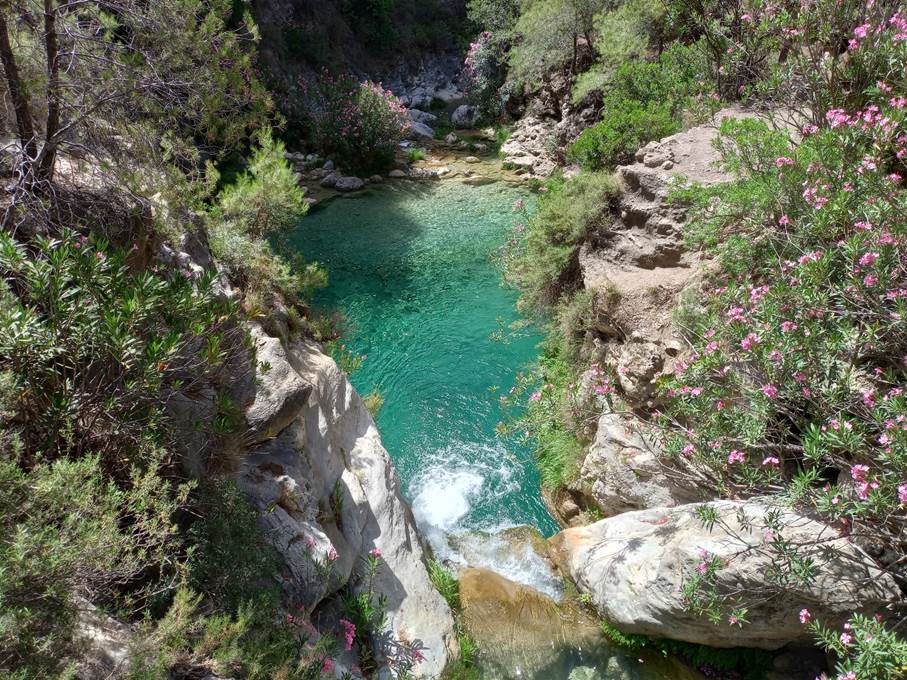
688,450
732,620
868,259
846,638
784,220
333,555
702,567
750,341
771,460
902,494
849,675
327,666
736,457
861,31
349,633
535,396
375,552
788,326
781,161
869,280
770,391
805,616
858,472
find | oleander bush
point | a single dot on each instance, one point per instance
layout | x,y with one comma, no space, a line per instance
795,384
358,124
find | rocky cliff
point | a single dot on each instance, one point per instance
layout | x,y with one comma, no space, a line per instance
636,562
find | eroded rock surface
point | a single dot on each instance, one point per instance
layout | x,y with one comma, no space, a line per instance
634,566
623,470
328,494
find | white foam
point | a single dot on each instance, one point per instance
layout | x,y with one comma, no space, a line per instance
452,483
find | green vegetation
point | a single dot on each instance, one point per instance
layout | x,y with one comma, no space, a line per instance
749,664
445,583
373,401
415,155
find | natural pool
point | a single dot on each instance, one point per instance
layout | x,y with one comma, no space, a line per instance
410,266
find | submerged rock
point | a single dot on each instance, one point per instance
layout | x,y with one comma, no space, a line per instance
522,633
634,566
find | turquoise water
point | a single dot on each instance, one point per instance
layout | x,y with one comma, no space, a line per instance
410,267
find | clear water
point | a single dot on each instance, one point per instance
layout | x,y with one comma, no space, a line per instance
410,267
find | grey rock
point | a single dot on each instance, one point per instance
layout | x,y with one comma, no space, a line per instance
397,174
280,392
452,138
347,184
464,116
623,471
326,482
634,566
471,159
330,181
328,165
422,116
375,179
419,130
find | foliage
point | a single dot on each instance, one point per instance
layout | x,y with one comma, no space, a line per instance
750,664
445,583
358,124
541,258
67,529
549,34
485,73
495,16
644,101
373,401
129,89
265,202
92,353
626,127
415,155
795,383
366,610
864,649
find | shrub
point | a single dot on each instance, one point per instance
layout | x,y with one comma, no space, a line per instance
445,583
359,124
415,155
541,258
263,203
91,353
373,401
626,126
485,72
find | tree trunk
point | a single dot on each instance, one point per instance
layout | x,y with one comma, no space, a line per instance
18,94
49,152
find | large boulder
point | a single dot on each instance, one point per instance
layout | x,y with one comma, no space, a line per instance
419,130
347,184
634,567
280,392
422,116
464,116
623,470
328,494
524,634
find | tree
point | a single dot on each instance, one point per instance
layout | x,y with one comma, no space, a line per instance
551,35
117,81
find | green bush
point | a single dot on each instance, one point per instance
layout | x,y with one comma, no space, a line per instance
626,126
262,204
91,352
541,259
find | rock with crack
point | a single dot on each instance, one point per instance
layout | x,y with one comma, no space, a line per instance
622,470
634,567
